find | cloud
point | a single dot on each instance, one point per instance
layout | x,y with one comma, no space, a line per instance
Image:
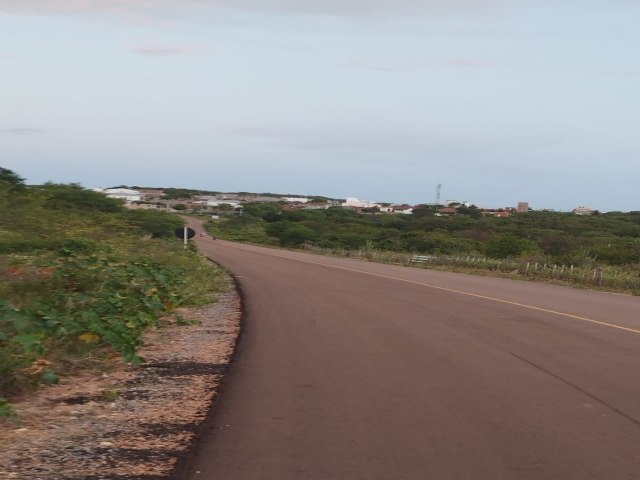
384,145
322,136
133,11
164,50
400,66
81,6
372,7
391,66
21,131
468,63
350,8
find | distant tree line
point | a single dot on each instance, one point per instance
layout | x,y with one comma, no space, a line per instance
565,238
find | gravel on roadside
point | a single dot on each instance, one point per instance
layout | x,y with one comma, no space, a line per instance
131,423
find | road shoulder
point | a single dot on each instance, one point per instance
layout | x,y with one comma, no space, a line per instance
130,423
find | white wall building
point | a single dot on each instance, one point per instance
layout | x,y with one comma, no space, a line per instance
583,211
353,202
125,194
403,209
217,203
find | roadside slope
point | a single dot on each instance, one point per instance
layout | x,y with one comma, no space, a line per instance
130,423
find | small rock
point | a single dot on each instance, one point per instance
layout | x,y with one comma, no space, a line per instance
106,444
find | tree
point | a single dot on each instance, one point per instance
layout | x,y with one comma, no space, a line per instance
10,181
425,211
267,211
472,211
74,197
11,186
508,245
154,222
353,241
296,234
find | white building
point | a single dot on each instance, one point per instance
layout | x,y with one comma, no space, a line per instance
125,194
217,203
403,209
353,202
583,211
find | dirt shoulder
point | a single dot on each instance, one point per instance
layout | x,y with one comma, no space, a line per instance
130,423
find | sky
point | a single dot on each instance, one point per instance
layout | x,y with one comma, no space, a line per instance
499,101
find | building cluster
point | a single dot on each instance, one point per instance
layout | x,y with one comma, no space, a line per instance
365,206
155,198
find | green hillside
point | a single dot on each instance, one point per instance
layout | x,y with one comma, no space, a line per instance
81,277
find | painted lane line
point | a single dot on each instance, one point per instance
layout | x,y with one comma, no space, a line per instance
469,294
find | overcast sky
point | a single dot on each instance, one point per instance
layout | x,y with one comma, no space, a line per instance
500,101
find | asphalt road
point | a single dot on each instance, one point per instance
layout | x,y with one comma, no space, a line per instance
351,370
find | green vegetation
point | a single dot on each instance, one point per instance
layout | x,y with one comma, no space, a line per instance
610,240
80,275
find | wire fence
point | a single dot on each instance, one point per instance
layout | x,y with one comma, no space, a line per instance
606,277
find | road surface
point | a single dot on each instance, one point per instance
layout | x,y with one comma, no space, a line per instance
351,370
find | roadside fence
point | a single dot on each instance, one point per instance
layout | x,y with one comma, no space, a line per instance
606,277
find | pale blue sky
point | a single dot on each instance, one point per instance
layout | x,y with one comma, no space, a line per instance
499,100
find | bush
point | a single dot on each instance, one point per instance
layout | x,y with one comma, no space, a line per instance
156,223
296,234
509,245
86,278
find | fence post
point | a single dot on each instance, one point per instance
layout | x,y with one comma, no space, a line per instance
598,276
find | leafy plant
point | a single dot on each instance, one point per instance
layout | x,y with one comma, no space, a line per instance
91,276
7,411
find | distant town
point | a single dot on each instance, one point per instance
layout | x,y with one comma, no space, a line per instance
192,200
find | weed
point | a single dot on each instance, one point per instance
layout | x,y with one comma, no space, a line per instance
7,411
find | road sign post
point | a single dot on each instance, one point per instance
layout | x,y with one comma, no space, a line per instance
185,233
